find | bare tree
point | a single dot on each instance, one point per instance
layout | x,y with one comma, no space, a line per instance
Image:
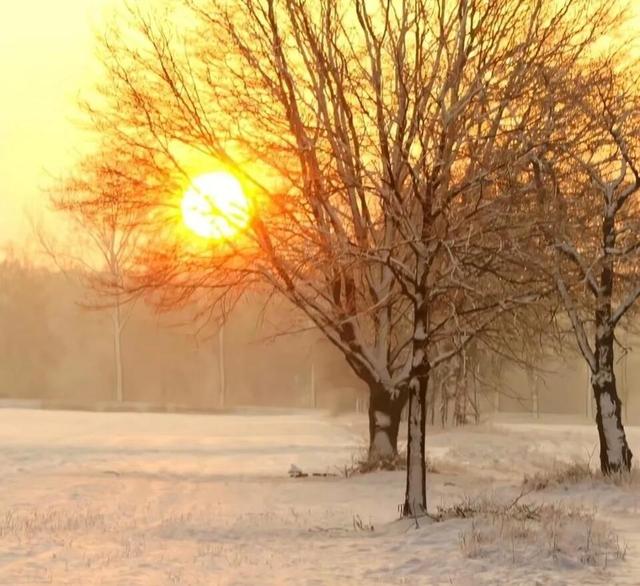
377,142
102,236
587,179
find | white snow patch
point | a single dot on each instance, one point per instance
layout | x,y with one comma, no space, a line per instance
381,443
601,377
611,430
420,332
382,419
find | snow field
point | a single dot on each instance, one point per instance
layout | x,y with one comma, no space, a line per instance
128,499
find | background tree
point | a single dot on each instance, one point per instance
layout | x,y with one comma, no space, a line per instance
587,178
103,234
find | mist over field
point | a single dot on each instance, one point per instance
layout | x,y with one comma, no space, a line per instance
58,347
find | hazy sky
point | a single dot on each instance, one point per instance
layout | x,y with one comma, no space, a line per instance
46,57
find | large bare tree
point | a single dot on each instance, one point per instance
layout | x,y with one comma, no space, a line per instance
376,141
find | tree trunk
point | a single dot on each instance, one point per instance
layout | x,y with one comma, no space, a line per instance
615,455
117,352
312,384
534,387
460,406
415,502
221,369
432,398
384,420
476,406
444,405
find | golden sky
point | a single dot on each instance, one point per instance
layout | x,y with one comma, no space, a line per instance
46,58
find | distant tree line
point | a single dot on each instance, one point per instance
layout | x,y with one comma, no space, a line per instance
57,346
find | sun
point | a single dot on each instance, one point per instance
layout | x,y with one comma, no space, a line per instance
215,206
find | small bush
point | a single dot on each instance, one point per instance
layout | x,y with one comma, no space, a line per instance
524,531
576,472
363,464
625,479
565,474
28,524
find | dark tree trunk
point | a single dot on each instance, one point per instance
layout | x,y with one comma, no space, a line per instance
385,411
415,502
615,455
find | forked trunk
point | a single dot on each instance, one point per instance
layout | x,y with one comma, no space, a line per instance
385,409
415,502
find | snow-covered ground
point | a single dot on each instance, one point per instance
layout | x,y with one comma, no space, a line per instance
151,499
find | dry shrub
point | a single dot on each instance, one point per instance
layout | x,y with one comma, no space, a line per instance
625,479
575,473
562,475
362,463
27,524
522,532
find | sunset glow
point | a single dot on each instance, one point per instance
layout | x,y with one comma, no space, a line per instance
215,206
319,292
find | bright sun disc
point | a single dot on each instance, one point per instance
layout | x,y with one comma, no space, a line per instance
215,206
